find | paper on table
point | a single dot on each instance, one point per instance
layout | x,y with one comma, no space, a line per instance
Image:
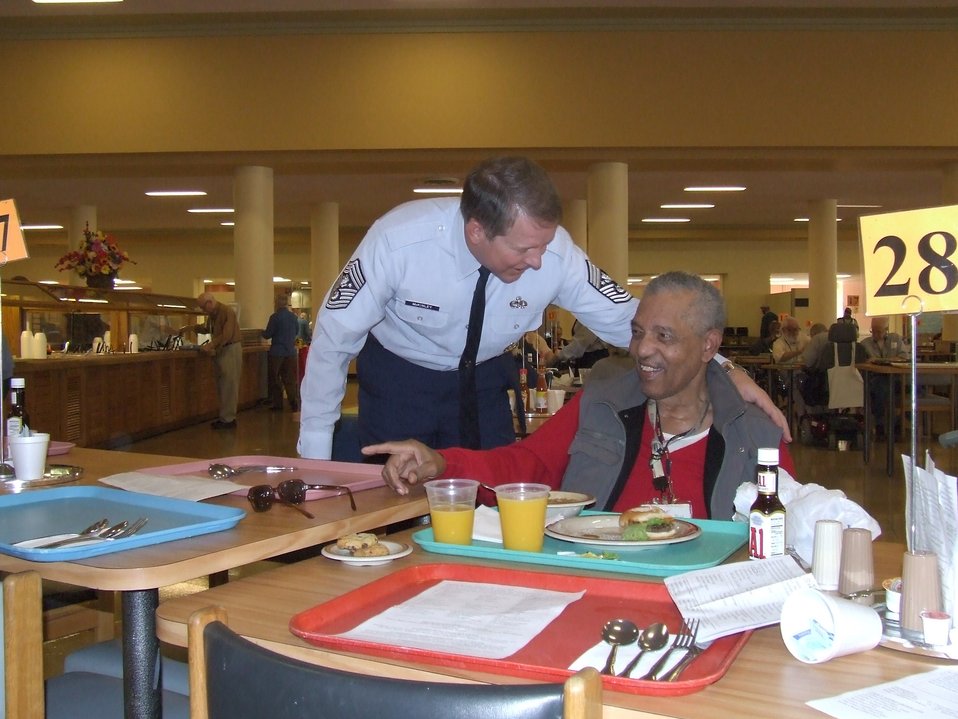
935,506
474,619
192,488
929,695
734,597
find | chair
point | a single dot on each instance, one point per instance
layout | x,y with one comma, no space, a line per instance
284,688
73,694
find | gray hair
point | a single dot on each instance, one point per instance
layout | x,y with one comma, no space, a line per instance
708,308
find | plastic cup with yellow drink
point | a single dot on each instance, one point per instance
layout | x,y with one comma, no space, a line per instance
452,508
522,515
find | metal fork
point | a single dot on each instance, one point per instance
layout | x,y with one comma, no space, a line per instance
683,640
690,655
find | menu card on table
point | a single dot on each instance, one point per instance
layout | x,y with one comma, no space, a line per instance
732,598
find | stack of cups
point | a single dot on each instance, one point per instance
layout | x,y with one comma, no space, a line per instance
857,568
827,554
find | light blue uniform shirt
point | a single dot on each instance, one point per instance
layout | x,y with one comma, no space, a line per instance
410,283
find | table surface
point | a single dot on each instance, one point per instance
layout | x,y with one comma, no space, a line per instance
764,674
259,535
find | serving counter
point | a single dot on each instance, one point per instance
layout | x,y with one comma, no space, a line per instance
104,400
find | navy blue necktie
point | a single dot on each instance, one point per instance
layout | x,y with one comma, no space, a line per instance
468,401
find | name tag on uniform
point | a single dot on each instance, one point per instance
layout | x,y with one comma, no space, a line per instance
421,305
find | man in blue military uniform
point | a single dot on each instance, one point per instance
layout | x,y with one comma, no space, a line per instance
406,299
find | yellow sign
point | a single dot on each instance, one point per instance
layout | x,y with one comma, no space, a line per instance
12,246
911,261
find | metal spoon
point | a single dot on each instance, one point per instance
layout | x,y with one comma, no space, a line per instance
653,637
617,632
218,470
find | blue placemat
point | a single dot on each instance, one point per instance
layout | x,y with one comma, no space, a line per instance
70,509
718,541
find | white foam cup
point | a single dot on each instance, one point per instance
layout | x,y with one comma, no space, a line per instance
817,627
28,454
555,400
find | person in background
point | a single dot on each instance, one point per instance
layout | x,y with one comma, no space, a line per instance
282,329
7,365
788,348
847,319
303,333
226,346
672,390
883,345
764,344
404,300
767,318
812,354
585,349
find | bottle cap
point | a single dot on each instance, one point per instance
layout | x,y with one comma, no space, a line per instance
17,383
768,455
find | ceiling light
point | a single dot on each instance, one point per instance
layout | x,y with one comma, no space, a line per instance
781,280
438,190
131,286
48,282
304,282
715,188
211,210
687,206
41,227
176,193
228,224
281,279
800,219
842,276
860,206
173,307
666,219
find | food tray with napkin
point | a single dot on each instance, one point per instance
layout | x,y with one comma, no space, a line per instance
548,656
61,510
717,542
312,471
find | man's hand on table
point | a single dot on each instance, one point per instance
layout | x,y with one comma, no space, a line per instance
410,462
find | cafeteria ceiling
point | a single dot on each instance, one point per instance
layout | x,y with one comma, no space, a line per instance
365,184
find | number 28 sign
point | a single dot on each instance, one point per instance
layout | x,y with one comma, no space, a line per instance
911,261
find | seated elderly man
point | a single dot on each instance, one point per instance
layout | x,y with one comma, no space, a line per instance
672,424
788,348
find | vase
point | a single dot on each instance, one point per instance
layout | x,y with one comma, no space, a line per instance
101,281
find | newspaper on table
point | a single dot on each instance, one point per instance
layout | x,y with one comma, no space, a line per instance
931,502
732,598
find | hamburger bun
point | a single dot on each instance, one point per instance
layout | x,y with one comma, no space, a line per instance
647,522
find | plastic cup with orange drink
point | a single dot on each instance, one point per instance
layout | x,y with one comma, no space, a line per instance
522,515
452,509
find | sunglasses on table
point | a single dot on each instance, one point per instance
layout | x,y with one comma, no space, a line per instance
291,492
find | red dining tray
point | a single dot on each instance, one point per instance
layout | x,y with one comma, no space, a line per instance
354,475
548,656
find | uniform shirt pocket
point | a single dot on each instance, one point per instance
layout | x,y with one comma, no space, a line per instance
420,314
513,323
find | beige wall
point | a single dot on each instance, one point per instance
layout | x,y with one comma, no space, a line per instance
645,88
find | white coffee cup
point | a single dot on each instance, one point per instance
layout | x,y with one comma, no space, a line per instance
28,454
817,627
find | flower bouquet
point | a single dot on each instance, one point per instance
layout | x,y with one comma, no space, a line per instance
97,257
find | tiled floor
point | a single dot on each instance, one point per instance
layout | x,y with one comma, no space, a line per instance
262,431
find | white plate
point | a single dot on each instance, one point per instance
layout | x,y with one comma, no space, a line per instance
569,499
604,530
396,550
